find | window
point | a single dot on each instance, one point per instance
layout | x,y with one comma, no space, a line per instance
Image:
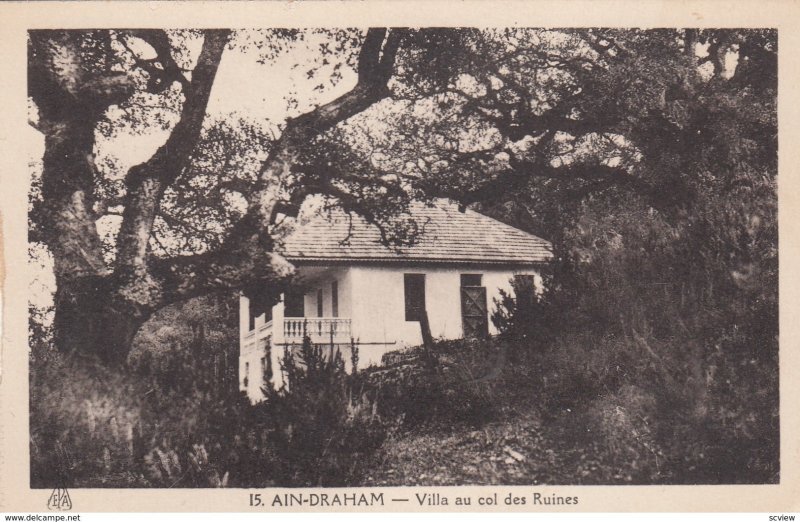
293,303
414,286
524,283
471,279
335,299
246,380
474,312
319,302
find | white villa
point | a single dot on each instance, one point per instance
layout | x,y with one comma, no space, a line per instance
354,289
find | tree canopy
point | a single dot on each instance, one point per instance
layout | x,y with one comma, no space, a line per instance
527,123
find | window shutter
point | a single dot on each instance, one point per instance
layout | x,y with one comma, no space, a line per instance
471,279
414,286
335,299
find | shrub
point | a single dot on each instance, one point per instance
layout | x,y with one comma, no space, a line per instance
623,425
444,387
324,428
96,427
525,315
682,308
92,426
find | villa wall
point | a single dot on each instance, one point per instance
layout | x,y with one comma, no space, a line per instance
379,313
373,298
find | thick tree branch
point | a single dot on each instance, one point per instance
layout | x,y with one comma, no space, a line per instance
572,171
64,86
246,259
717,50
375,66
592,178
147,182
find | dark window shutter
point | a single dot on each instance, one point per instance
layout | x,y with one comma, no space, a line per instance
335,299
524,286
474,311
471,279
414,285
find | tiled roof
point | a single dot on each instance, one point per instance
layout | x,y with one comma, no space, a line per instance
448,236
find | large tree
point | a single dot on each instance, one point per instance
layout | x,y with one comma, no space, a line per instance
74,78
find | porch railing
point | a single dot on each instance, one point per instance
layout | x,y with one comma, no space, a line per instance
319,329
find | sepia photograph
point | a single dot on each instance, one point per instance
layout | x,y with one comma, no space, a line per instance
384,256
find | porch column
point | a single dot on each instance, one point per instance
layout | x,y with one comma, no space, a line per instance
277,322
244,316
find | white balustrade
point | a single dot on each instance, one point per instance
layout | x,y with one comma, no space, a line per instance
319,329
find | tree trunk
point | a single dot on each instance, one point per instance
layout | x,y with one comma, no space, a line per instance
425,328
88,319
90,323
71,97
97,311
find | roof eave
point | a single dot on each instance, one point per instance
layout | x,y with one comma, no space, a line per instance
415,261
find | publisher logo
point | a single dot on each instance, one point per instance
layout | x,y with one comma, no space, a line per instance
59,500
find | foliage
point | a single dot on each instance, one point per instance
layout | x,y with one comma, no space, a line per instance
161,421
525,314
654,307
325,428
190,347
39,330
94,428
667,284
97,428
452,384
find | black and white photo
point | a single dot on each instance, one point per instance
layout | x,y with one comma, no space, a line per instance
403,256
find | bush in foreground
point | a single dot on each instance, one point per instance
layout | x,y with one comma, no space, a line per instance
95,427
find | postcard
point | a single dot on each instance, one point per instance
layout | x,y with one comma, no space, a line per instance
399,256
